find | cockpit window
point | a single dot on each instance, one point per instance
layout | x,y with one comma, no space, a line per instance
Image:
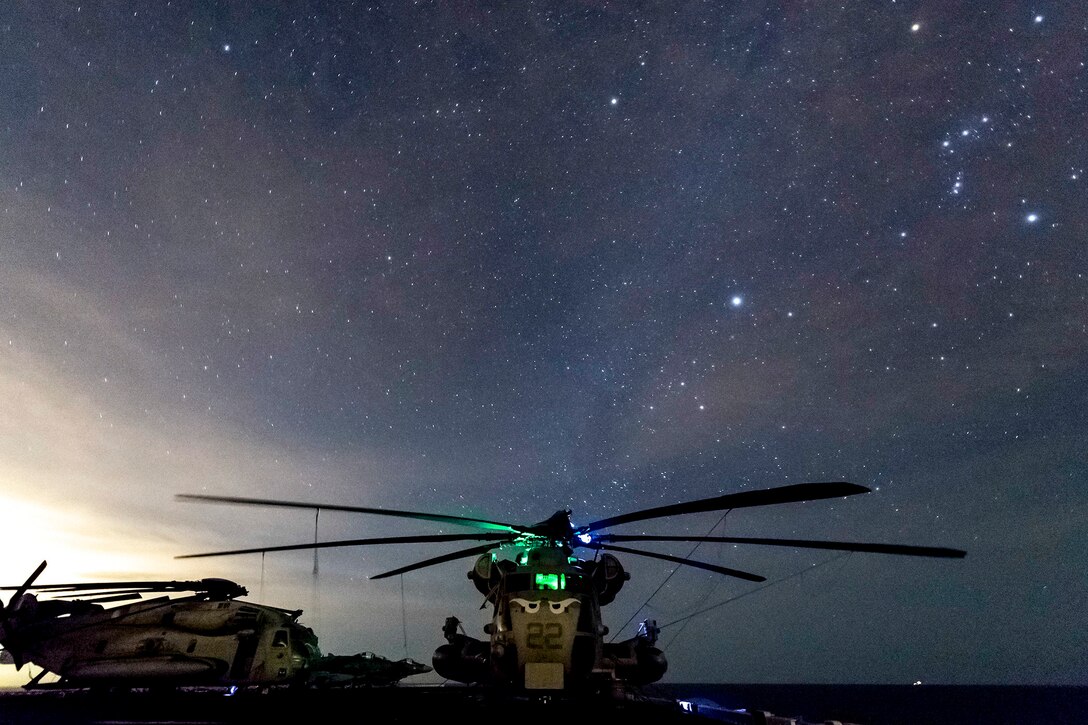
550,581
546,581
280,638
556,581
517,582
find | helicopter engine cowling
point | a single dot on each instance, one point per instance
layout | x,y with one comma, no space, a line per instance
463,659
608,578
649,666
485,574
636,660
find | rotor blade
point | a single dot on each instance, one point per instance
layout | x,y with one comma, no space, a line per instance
203,585
441,518
21,589
92,597
765,497
900,549
92,586
681,560
438,560
119,597
359,542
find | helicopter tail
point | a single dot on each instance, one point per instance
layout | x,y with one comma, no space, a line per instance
10,615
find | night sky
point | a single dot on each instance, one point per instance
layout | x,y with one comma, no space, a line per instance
497,259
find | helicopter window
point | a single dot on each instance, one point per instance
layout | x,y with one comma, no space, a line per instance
557,581
576,583
280,638
192,646
550,581
517,582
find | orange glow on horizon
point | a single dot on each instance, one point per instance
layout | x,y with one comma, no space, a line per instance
76,546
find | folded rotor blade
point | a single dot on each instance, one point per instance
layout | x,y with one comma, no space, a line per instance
93,586
92,597
119,597
900,549
681,560
439,560
21,589
743,499
430,538
222,586
441,518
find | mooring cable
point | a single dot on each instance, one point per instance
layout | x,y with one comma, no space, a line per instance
666,581
753,591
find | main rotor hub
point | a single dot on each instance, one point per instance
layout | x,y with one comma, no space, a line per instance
556,527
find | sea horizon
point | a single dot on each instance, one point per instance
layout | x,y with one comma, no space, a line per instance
898,704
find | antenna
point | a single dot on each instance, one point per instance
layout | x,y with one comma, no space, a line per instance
403,616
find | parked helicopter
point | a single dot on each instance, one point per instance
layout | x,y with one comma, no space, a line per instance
365,669
207,637
546,630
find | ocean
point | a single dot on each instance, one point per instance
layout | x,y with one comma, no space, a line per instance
895,704
427,705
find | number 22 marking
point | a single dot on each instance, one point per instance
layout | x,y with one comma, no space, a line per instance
544,636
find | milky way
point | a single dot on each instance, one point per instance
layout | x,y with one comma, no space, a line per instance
499,259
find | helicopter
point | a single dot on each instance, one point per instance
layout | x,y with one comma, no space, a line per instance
209,637
546,631
365,669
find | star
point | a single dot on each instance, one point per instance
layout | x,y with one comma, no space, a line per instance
557,265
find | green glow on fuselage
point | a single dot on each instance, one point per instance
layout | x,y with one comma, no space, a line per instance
554,582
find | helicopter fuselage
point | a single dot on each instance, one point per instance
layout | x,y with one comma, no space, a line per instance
546,630
163,641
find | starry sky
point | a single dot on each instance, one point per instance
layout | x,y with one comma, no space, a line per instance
497,259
